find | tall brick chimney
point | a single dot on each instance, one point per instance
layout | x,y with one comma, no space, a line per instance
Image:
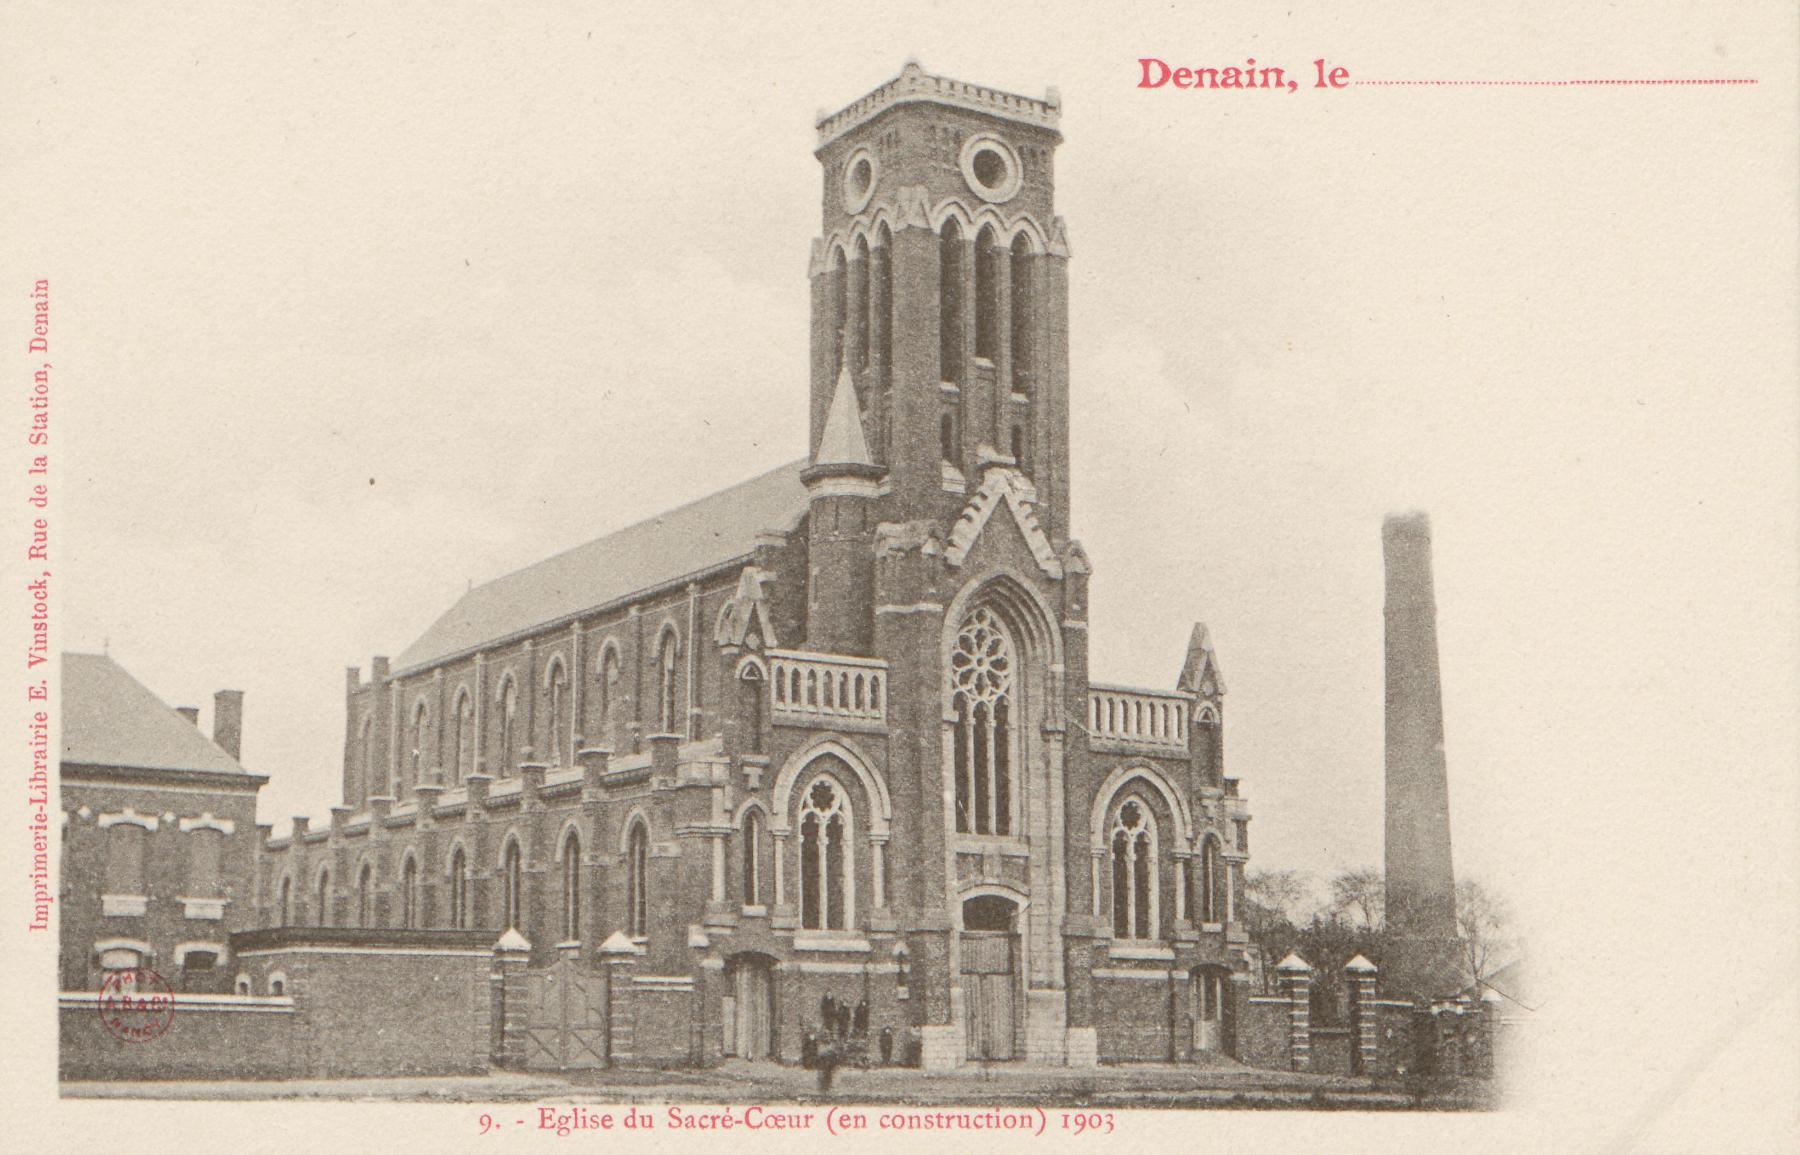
1421,886
228,721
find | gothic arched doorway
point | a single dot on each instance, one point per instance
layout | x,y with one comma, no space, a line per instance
1208,1006
749,1013
990,976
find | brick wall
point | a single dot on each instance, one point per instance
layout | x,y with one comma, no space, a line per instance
1263,1032
227,1037
378,1003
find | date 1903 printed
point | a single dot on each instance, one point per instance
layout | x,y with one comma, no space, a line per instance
835,1121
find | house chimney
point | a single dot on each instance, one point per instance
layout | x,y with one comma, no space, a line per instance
228,721
191,713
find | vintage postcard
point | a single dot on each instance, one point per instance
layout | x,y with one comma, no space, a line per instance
1032,575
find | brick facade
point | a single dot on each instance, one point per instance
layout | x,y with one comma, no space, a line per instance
766,762
818,756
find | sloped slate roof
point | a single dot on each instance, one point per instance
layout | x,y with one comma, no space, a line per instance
109,718
666,548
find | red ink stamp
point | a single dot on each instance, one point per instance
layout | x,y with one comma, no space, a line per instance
136,1005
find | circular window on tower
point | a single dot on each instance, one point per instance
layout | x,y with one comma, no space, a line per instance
991,168
861,172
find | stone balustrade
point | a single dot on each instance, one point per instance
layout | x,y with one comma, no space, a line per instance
826,689
1151,718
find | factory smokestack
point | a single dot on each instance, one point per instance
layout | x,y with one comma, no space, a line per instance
1421,886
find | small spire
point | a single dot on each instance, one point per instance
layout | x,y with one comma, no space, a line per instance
1200,674
843,442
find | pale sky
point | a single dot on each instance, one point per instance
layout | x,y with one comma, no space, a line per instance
355,309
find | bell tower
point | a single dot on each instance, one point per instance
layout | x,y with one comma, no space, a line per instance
940,287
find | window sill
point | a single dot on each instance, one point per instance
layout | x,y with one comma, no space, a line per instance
1140,950
842,942
205,909
756,912
124,905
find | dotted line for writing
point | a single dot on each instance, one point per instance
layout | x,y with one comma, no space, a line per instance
1550,83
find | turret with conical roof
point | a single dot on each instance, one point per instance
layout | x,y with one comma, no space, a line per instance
843,482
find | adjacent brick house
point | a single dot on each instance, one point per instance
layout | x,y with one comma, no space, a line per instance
159,832
821,753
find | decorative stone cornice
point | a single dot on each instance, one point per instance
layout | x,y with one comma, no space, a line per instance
915,85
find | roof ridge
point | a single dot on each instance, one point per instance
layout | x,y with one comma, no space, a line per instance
669,512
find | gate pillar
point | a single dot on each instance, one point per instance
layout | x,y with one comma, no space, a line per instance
512,958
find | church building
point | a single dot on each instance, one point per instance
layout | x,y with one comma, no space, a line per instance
820,757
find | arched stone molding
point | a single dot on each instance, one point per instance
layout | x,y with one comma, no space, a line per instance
609,645
743,812
129,817
1025,609
917,214
1012,894
206,821
1117,781
633,818
841,747
562,838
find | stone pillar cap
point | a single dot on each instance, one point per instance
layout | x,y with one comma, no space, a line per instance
1360,965
513,941
619,944
1292,963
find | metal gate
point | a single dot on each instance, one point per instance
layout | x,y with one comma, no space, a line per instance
565,1022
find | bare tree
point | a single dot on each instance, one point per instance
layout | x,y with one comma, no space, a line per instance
1276,895
1484,923
1274,902
1359,896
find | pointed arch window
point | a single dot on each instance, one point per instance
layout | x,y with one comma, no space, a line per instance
838,284
666,667
409,893
1212,893
421,722
571,887
950,303
365,896
881,301
465,735
859,293
459,889
609,690
825,857
981,683
1134,873
754,833
556,711
322,912
512,885
637,881
988,255
1024,371
509,725
366,748
284,903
